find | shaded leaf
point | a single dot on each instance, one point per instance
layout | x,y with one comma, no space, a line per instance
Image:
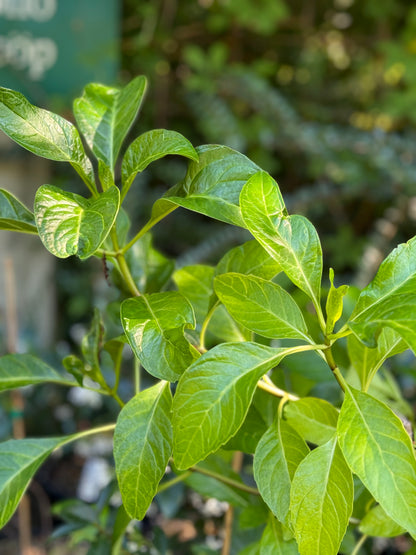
367,361
377,523
195,283
19,370
213,397
314,419
70,224
154,326
276,459
321,500
261,306
142,447
150,146
44,133
249,434
291,240
390,299
105,115
273,541
14,216
378,449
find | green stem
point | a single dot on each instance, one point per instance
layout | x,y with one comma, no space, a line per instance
206,324
169,483
123,266
359,544
267,385
145,229
224,480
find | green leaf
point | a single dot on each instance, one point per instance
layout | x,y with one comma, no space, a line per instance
19,460
105,115
154,326
378,449
377,523
44,133
291,240
21,369
367,361
276,459
334,303
248,258
321,500
151,146
150,268
14,216
261,306
390,299
273,541
70,224
314,419
213,397
142,447
211,186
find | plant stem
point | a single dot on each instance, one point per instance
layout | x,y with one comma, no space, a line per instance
205,326
333,366
169,483
123,266
151,223
267,385
229,515
225,480
359,544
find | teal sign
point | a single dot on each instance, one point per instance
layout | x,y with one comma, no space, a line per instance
50,49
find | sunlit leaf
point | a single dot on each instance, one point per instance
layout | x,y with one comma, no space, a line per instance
154,326
44,133
213,397
70,224
378,449
377,523
105,115
314,419
142,447
321,500
390,299
273,541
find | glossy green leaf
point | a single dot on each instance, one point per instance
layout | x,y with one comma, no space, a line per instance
14,216
21,369
70,224
377,523
334,303
142,447
248,258
211,186
276,459
291,240
223,327
273,541
213,397
150,146
367,361
378,449
154,326
390,299
261,306
314,419
44,133
321,500
105,115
